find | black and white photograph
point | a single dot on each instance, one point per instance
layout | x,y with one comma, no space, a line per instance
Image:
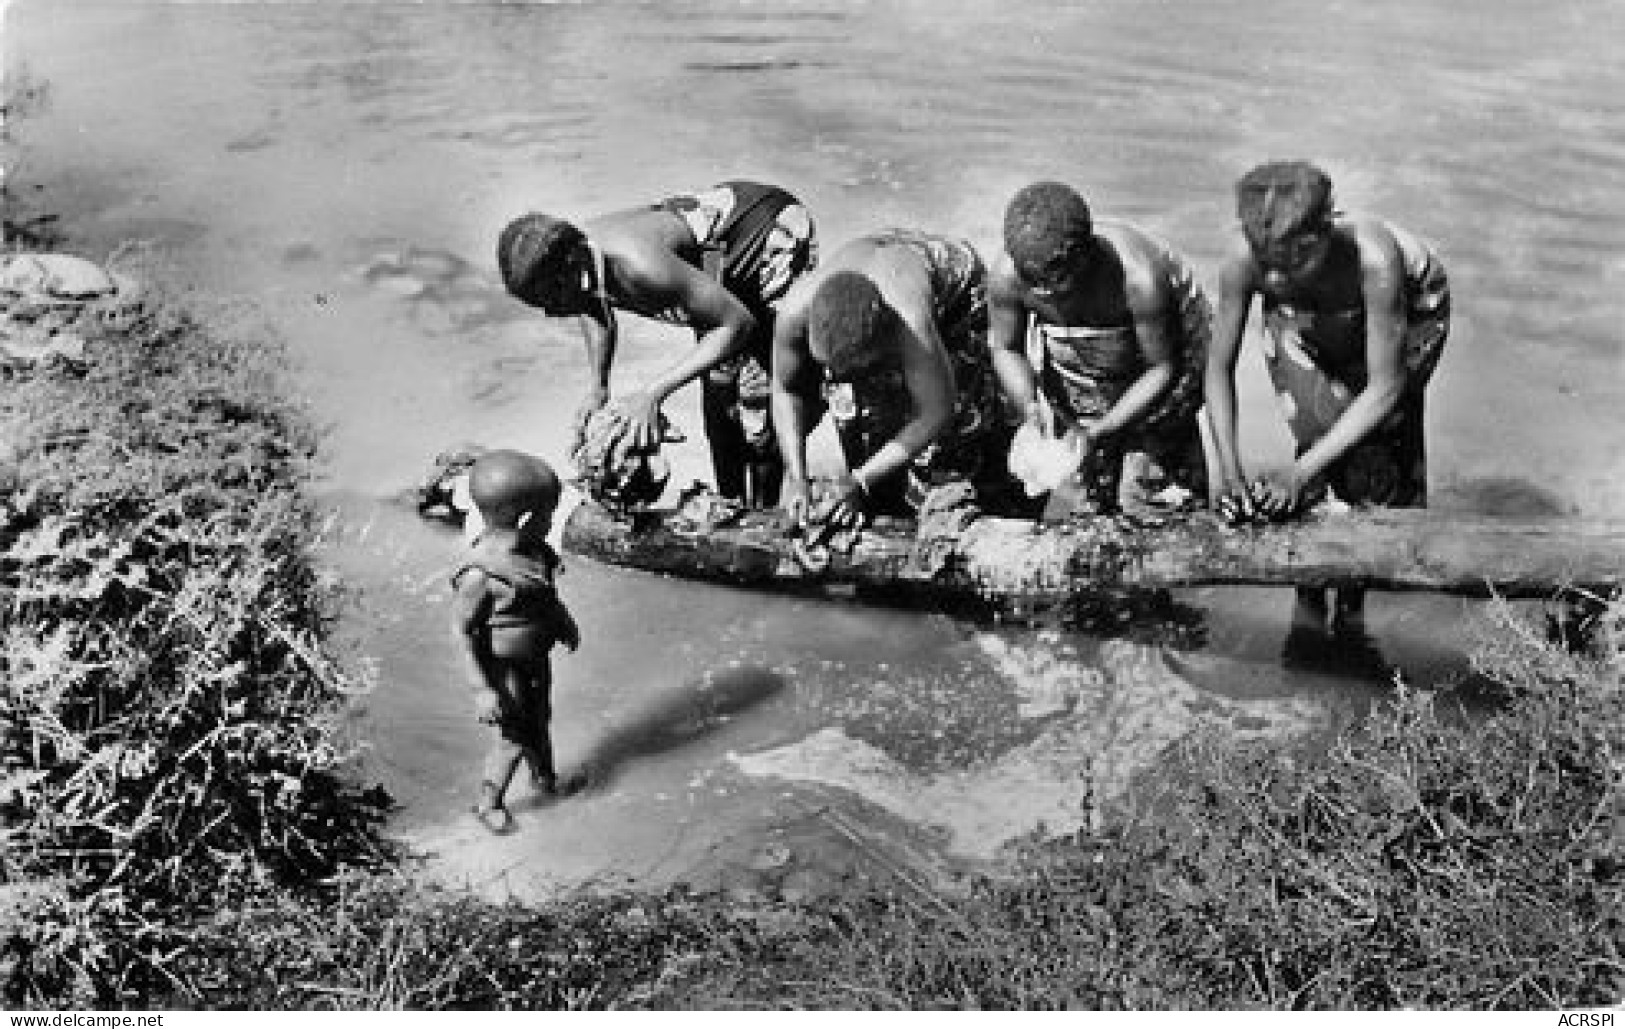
812,505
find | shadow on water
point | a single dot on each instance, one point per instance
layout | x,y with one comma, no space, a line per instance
1504,495
678,718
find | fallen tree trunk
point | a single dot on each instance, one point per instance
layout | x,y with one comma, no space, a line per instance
996,558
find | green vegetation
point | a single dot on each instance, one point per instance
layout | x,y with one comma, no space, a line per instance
179,830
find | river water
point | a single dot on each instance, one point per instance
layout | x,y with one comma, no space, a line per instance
345,168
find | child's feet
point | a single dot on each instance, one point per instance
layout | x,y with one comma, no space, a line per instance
544,783
491,812
574,783
555,788
497,820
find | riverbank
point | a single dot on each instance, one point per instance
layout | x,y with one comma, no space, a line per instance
183,828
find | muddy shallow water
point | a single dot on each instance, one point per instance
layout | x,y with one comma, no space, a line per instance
345,168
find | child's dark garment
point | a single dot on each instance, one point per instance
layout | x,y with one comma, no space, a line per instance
523,620
524,596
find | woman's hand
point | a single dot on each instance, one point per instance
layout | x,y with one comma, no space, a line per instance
487,706
847,507
1281,500
1080,441
795,498
1035,418
1238,502
641,412
596,398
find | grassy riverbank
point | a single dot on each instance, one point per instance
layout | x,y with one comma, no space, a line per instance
179,828
170,741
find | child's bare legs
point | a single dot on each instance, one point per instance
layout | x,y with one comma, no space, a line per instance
519,672
538,750
519,735
528,685
500,766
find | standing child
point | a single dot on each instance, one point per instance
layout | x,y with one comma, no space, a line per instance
508,616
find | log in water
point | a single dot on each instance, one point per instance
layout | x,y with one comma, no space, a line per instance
997,558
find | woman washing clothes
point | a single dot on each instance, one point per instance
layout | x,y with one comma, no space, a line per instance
1118,330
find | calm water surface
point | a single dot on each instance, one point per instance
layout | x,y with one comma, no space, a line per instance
347,167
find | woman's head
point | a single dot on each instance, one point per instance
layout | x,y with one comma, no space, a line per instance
542,259
849,327
1286,212
1048,233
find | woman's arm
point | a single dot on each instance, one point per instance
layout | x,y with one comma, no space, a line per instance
598,333
1237,288
1008,319
1382,272
795,400
1149,303
929,378
662,280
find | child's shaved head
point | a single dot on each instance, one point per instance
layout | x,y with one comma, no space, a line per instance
506,485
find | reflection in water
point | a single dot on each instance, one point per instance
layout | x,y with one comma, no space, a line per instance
1349,651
